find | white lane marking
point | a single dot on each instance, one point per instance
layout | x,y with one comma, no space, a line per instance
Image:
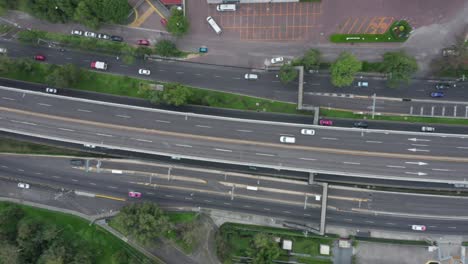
207,201
227,203
307,215
327,138
462,147
370,222
84,110
149,193
452,227
266,209
104,135
289,135
352,163
432,226
24,123
123,116
56,177
3,166
188,198
68,58
307,159
169,196
225,150
112,187
217,76
183,145
417,173
394,166
8,98
66,129
441,170
418,139
264,154
247,206
92,183
243,130
162,70
74,180
38,173
198,74
286,212
180,72
162,121
44,104
372,141
141,140
348,219
203,126
329,217
420,163
20,170
416,150
390,223
419,145
236,78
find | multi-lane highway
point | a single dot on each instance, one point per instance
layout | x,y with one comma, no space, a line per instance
294,201
317,88
345,151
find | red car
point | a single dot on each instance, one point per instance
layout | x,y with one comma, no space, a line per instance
143,42
134,194
39,57
163,21
326,122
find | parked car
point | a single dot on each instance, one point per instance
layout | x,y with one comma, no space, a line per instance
442,86
450,52
325,122
3,50
116,38
40,57
277,60
103,36
144,72
288,140
307,131
77,32
51,90
163,22
89,34
250,76
437,94
23,185
363,84
427,129
418,227
360,124
143,42
134,194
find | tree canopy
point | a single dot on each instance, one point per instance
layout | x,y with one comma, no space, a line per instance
399,66
311,59
173,94
264,249
344,69
287,73
177,24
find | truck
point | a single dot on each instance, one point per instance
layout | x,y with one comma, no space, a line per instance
99,65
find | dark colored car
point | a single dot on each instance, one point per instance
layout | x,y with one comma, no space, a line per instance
437,94
442,86
361,124
143,42
116,38
39,57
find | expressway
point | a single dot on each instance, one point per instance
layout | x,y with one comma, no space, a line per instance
293,201
345,151
317,87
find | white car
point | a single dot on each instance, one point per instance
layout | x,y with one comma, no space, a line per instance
277,60
250,76
51,90
89,146
103,36
77,32
306,131
289,140
23,185
418,227
363,84
427,129
144,72
90,34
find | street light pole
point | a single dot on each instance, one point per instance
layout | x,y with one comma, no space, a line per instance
373,106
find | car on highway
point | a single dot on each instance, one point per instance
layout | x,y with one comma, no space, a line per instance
442,86
418,227
40,57
77,32
325,122
134,194
89,34
427,129
143,42
250,76
363,84
361,124
23,185
307,131
116,38
89,146
103,36
51,90
276,60
437,94
144,72
288,140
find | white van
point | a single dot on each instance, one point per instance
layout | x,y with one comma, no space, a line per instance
225,7
213,24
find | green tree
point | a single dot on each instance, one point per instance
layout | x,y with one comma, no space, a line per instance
311,59
83,14
166,48
9,218
287,73
264,249
344,69
399,67
9,254
177,24
115,11
65,76
52,10
29,239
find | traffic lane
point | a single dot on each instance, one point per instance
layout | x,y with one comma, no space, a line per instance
279,155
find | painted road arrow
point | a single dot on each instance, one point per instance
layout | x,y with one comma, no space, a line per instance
421,150
417,173
418,139
416,163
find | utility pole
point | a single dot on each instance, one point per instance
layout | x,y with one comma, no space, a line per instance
169,173
373,105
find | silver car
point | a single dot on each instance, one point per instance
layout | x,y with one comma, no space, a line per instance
90,34
427,129
77,32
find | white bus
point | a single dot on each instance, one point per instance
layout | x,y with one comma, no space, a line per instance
213,24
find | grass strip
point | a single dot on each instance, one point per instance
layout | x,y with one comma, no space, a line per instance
393,241
387,36
8,145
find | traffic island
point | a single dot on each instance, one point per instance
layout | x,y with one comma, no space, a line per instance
399,31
